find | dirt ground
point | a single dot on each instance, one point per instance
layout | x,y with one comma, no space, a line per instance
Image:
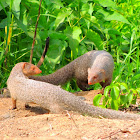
35,123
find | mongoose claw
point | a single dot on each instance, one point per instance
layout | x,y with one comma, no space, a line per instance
12,108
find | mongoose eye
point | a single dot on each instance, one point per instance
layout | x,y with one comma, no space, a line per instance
94,77
33,68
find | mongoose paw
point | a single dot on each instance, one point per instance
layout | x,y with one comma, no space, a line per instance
101,91
12,108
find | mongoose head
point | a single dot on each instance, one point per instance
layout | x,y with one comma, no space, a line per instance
30,69
95,76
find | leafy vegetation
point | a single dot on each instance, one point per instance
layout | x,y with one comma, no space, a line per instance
117,96
75,27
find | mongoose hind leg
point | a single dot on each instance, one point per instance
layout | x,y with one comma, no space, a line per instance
83,85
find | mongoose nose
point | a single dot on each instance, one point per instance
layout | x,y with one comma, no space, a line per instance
89,83
39,71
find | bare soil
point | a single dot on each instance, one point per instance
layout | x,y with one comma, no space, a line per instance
35,123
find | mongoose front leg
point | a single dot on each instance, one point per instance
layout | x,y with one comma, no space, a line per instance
13,104
106,83
102,84
83,85
27,105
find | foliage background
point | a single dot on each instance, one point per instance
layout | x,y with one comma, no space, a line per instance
74,28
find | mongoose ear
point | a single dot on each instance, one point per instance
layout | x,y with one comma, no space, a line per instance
24,64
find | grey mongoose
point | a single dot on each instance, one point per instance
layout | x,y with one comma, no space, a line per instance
88,69
50,96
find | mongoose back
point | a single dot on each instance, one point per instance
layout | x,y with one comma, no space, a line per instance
88,69
52,97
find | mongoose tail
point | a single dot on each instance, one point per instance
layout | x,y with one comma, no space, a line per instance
53,97
44,53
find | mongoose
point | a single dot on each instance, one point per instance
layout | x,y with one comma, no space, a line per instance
88,69
50,96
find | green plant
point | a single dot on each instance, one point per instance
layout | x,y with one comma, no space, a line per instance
116,96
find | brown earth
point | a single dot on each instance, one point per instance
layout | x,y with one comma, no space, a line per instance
35,123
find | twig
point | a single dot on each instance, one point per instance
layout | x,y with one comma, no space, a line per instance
120,130
44,53
31,55
71,118
137,131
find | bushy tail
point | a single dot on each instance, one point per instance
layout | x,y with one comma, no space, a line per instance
80,106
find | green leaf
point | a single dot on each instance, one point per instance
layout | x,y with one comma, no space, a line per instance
114,32
95,37
113,15
138,90
108,3
61,16
123,86
16,8
57,2
73,35
134,99
24,16
106,90
56,49
115,92
56,35
3,23
97,99
21,25
130,97
123,99
3,4
76,32
85,8
114,104
136,76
